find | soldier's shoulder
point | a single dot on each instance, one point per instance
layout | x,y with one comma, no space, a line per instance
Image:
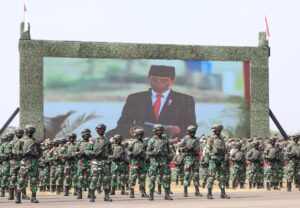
151,140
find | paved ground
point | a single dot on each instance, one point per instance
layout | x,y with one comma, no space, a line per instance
239,199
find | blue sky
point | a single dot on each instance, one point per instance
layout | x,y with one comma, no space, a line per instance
196,22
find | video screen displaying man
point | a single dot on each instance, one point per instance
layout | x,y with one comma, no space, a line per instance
80,93
158,105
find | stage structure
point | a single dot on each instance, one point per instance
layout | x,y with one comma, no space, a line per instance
254,67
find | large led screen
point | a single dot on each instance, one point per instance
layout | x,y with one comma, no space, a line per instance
125,94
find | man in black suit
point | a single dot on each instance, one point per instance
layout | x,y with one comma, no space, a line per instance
159,105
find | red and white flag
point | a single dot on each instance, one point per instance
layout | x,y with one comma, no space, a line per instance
26,24
267,29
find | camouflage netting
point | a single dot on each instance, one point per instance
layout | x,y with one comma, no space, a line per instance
32,53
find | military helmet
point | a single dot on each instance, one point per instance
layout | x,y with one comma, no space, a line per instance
64,140
158,127
138,131
117,137
191,128
255,143
296,137
30,128
19,131
217,128
272,139
72,135
238,145
56,140
101,126
9,135
85,131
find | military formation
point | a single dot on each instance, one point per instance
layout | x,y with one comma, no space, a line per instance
101,165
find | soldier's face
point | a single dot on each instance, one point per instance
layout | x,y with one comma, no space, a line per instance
19,135
29,133
158,132
86,136
139,136
160,84
101,131
192,133
217,132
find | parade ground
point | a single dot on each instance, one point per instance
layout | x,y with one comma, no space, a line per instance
239,199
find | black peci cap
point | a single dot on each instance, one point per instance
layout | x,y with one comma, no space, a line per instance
162,71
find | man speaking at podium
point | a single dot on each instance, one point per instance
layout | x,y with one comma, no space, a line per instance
159,105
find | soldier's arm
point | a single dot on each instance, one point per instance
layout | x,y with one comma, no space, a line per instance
150,147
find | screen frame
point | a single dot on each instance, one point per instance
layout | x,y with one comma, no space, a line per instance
32,53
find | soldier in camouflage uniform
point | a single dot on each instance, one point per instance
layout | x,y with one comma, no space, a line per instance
45,167
100,165
178,163
52,162
137,154
216,152
59,156
70,170
5,157
239,166
293,155
159,151
204,163
118,166
281,149
84,154
14,162
190,146
256,162
31,149
272,156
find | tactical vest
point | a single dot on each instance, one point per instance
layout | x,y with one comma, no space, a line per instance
273,154
218,146
239,156
296,151
30,148
255,155
119,152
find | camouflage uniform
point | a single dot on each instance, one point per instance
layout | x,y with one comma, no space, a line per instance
216,152
100,165
84,154
281,163
190,147
50,157
14,162
256,162
45,168
59,156
293,155
31,149
204,162
239,166
118,166
159,151
5,154
137,154
70,170
272,156
179,165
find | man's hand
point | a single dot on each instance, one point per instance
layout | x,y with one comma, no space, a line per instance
173,130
